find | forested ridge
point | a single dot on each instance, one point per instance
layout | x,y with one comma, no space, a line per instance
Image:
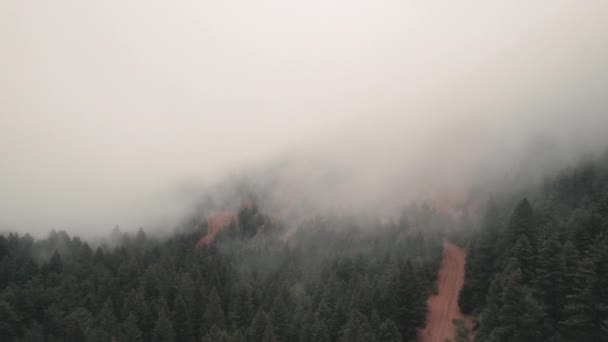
335,279
537,268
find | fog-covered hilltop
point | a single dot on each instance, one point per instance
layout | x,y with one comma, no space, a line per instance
333,279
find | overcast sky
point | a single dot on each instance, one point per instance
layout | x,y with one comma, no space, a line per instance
110,110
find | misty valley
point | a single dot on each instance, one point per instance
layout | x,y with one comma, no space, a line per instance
334,278
535,270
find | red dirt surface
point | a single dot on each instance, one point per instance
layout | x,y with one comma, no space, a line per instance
443,307
216,222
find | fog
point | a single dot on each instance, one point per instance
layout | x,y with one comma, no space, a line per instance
127,112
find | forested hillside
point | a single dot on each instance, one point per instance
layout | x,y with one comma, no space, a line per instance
537,269
335,279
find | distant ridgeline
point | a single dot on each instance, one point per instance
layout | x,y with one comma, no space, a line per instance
334,279
537,269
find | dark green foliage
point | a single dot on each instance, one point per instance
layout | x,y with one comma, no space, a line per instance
256,331
523,255
131,330
357,329
482,262
269,335
163,330
388,332
107,321
9,321
462,332
55,264
585,310
549,281
182,328
279,316
520,316
334,279
409,303
74,332
214,314
337,320
197,311
215,334
522,223
320,332
511,313
548,267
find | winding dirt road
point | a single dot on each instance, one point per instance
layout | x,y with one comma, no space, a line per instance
443,307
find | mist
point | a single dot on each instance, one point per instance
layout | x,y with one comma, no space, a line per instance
129,112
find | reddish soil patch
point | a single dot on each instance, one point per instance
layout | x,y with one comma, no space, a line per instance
443,307
216,222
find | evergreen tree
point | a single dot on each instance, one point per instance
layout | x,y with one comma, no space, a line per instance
215,334
214,314
522,223
570,259
140,237
163,330
481,263
150,286
269,333
55,264
580,319
388,332
73,332
357,329
320,332
238,337
324,311
520,315
523,254
296,322
600,250
306,328
34,334
256,330
82,317
197,312
279,316
409,303
107,321
337,321
9,321
145,317
182,329
489,324
131,330
549,281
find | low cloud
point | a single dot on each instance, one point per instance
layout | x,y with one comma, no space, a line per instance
124,113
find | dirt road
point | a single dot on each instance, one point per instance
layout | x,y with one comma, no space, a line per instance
443,307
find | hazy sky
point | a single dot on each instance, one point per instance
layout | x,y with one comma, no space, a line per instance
109,110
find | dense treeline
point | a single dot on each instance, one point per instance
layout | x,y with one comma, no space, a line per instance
539,272
334,279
